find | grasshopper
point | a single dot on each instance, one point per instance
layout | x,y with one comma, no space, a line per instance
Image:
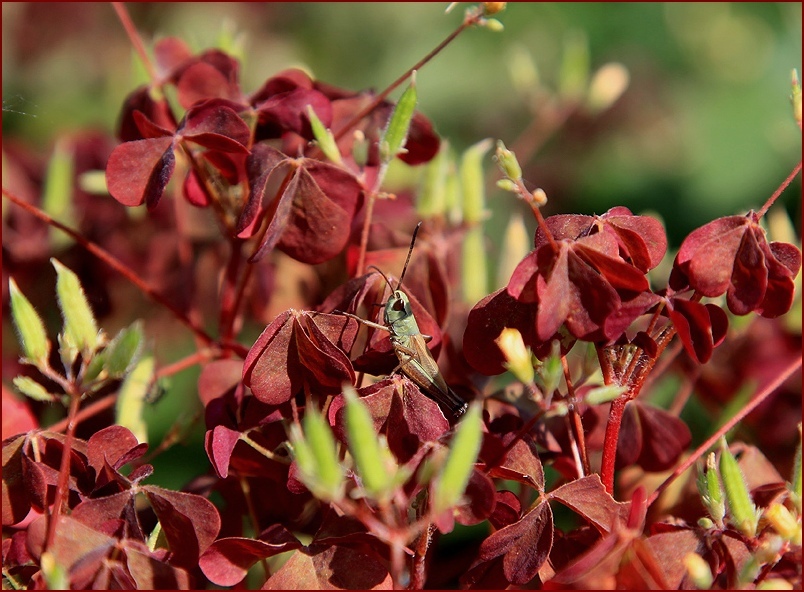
410,345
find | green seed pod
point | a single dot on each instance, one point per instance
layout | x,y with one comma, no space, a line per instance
473,182
461,459
365,446
795,480
79,322
328,474
432,198
516,245
604,394
699,571
743,513
507,162
474,278
57,192
396,132
30,328
324,137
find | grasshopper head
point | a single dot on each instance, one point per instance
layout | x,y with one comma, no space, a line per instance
399,316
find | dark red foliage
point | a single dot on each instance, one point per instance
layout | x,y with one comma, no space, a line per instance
102,542
300,350
731,255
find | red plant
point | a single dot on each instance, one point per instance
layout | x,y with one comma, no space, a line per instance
355,481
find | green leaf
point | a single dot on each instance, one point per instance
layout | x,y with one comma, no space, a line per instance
463,452
30,328
132,396
57,193
365,446
80,327
124,350
473,181
396,132
32,389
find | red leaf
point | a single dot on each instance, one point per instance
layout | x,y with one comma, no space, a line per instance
15,498
335,567
526,544
228,560
138,171
115,445
587,496
486,321
219,444
190,523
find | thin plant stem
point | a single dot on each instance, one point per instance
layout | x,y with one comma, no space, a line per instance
780,189
115,263
136,40
758,399
64,469
470,20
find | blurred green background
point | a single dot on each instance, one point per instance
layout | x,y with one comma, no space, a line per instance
704,128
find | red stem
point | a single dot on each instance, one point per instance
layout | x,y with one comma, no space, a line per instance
136,40
470,20
115,264
781,188
64,468
229,291
610,441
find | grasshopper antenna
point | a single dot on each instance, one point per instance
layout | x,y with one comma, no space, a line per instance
410,252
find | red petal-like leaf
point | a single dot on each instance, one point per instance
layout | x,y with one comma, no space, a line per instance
228,560
413,419
115,445
749,278
480,493
219,444
694,323
15,498
190,523
526,544
334,567
262,166
150,573
587,497
522,464
324,204
288,112
707,254
267,370
139,171
662,438
157,112
214,77
217,378
215,124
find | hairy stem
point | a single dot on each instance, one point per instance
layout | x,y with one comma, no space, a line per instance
780,189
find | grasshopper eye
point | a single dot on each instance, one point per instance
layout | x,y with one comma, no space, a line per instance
399,305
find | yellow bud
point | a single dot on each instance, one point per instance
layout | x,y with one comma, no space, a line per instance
490,8
517,355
